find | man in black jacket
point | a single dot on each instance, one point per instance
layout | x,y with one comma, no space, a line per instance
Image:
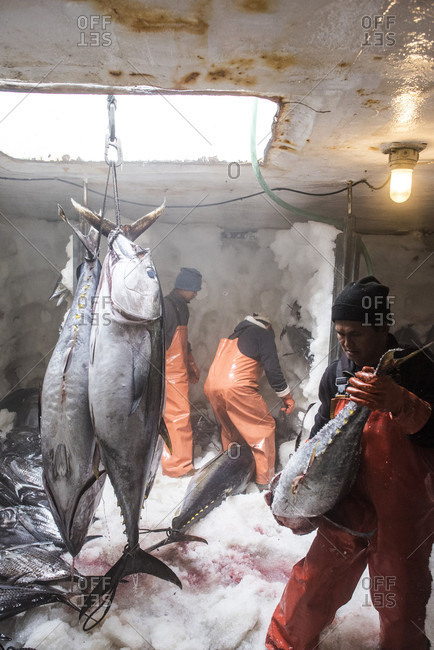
386,522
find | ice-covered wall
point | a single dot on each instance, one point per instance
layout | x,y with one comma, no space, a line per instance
286,273
306,255
32,253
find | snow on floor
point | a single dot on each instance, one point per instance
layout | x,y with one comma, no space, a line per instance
230,586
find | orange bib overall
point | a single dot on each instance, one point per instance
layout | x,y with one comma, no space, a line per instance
177,412
232,390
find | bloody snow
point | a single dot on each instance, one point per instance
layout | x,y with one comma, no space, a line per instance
230,586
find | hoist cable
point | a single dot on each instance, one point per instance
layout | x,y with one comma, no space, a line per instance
116,197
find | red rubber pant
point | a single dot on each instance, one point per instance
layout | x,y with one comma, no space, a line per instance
393,494
325,580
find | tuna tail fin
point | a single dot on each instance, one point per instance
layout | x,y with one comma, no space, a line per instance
389,361
94,219
59,292
89,241
132,561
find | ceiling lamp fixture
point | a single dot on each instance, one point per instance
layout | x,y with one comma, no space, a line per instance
403,157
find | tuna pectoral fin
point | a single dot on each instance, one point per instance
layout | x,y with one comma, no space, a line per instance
140,357
132,561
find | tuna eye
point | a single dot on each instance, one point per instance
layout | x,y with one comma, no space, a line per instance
151,273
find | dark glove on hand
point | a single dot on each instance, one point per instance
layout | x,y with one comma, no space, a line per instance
289,403
381,393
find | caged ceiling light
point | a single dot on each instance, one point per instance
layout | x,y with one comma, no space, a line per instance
403,157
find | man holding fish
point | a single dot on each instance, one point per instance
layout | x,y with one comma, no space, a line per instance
386,521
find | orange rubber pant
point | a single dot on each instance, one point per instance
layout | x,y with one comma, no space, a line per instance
177,411
245,417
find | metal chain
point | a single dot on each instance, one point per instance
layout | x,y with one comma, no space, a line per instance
111,105
112,144
98,244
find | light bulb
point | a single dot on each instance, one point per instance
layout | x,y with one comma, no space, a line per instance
400,184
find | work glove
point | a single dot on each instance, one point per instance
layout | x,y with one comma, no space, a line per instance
382,393
289,403
377,392
192,369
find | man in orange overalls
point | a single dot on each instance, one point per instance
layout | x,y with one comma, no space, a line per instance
386,522
232,389
180,370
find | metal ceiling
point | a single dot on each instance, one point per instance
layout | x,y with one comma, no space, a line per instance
348,76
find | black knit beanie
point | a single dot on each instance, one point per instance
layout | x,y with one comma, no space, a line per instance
188,279
364,301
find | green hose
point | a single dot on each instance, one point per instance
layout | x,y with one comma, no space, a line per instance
366,257
288,206
268,190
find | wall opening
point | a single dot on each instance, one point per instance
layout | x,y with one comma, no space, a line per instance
175,127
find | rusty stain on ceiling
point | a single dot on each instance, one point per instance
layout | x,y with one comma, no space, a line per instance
345,83
232,74
278,60
140,18
260,6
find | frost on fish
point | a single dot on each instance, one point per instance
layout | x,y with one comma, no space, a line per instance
126,398
324,468
71,475
29,564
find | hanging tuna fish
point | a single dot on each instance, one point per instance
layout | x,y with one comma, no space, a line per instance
122,372
70,457
126,392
